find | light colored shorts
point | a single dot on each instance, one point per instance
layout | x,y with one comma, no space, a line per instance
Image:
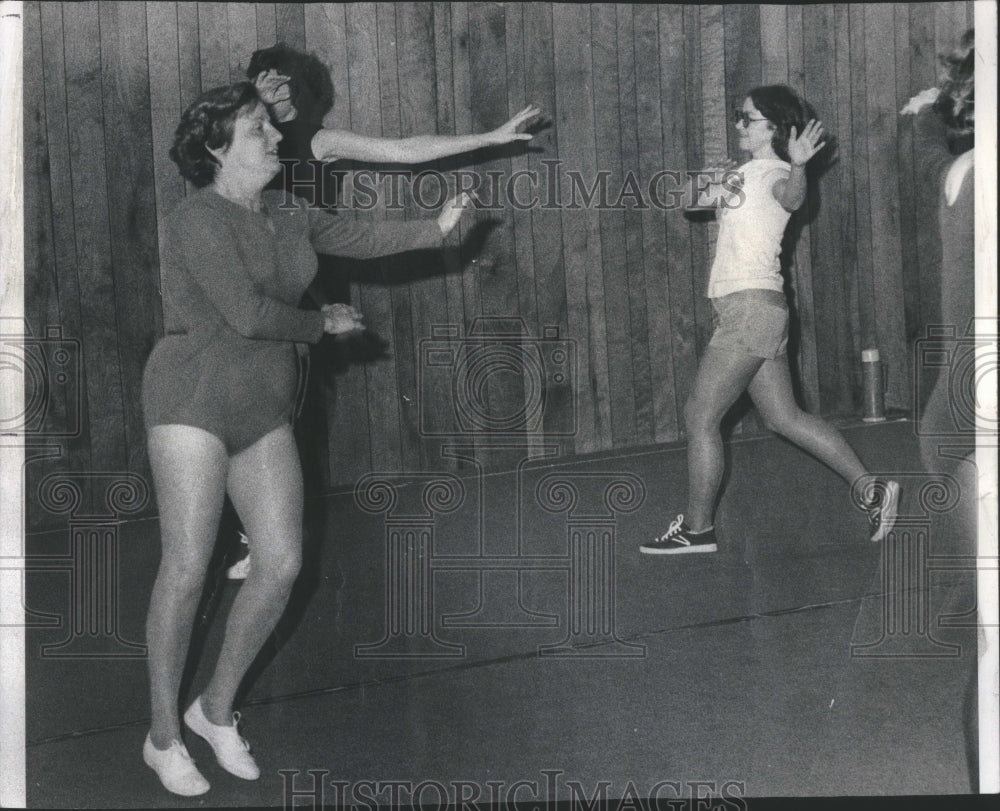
754,322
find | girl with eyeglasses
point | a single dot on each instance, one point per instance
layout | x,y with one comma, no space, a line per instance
748,348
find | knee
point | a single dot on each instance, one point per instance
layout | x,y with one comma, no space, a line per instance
182,575
281,571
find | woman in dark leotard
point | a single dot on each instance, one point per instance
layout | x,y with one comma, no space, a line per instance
218,390
298,91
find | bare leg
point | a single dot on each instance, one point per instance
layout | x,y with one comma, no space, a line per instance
189,474
771,391
265,484
722,378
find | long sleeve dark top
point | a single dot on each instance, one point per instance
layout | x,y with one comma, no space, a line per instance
223,264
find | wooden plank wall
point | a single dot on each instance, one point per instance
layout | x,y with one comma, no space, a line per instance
628,89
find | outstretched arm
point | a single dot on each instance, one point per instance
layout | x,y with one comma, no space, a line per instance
340,236
791,191
330,145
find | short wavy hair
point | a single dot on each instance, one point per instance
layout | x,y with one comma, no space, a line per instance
309,79
206,124
956,103
785,109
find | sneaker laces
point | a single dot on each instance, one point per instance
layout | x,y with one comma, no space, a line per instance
673,529
176,748
242,740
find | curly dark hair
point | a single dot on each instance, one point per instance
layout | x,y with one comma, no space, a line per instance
208,123
310,83
785,109
956,103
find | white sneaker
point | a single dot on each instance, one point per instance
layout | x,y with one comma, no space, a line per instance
883,509
175,768
240,569
232,752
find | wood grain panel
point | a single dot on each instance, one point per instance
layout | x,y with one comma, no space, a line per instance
71,405
447,116
697,158
742,38
189,54
164,107
376,302
884,183
657,261
290,25
50,288
904,158
471,300
242,38
635,272
824,209
581,227
607,118
424,270
677,119
213,42
714,115
861,148
559,418
339,388
797,248
267,24
89,173
773,44
847,227
132,207
922,73
390,48
507,381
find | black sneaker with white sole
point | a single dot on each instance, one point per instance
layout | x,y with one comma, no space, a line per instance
680,540
882,509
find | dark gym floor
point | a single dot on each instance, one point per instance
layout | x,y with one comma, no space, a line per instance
800,660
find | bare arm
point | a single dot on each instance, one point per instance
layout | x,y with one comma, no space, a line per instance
359,240
330,145
791,191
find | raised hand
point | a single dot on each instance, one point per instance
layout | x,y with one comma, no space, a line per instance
276,92
802,147
452,212
341,318
506,133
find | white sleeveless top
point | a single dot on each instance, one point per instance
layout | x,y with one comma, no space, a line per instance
749,244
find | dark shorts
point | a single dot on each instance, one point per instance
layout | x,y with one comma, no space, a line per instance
754,322
237,389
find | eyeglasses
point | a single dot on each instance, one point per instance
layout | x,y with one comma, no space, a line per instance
745,117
